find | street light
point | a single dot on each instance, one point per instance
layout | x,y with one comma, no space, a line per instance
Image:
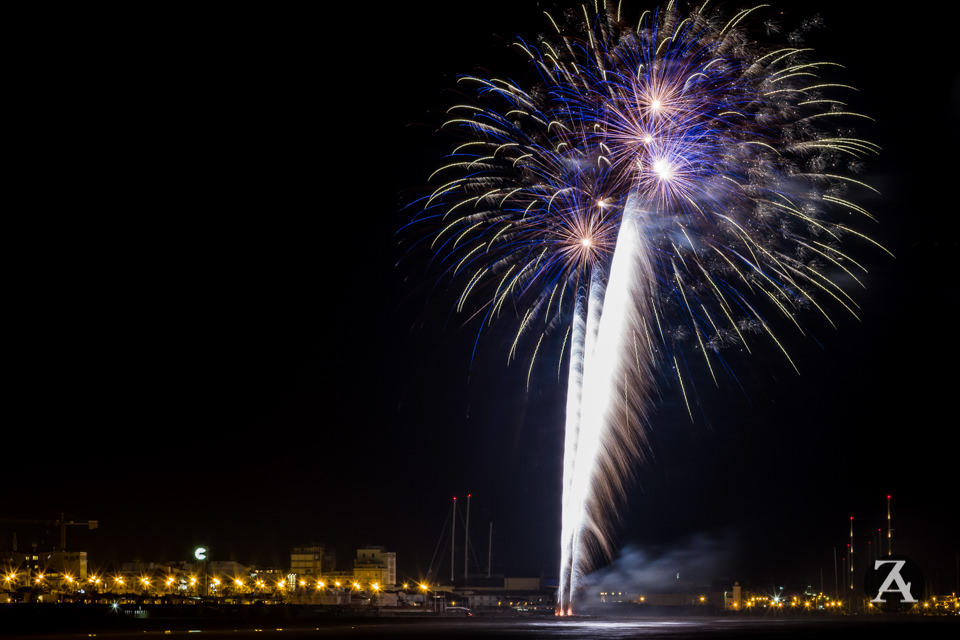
426,593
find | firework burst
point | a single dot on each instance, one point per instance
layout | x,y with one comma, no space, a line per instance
669,185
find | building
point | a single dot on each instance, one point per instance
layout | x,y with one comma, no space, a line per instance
733,599
522,594
312,561
69,563
375,565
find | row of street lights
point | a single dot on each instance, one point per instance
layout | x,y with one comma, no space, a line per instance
170,584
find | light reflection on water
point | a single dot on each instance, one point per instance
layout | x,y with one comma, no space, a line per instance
567,629
613,628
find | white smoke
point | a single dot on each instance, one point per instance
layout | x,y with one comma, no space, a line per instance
692,564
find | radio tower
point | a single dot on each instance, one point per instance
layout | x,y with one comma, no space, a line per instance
851,556
453,538
889,530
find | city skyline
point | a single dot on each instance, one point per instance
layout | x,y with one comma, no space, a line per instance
213,343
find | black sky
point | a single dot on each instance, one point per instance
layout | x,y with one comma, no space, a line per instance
208,338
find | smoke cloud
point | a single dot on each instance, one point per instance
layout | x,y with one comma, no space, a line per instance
690,565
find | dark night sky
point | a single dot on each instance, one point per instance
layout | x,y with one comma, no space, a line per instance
208,339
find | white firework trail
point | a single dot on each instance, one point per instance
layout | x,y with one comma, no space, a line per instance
607,400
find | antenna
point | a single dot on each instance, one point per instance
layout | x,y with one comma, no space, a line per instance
490,549
851,554
466,542
453,538
889,530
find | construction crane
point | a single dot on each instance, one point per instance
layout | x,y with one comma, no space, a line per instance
61,522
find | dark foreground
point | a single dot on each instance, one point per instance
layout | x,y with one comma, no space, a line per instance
286,623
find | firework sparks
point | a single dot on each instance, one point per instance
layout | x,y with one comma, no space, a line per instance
669,184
